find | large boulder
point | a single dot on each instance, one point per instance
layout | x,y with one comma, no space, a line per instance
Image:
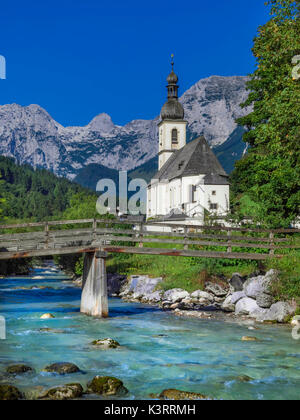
115,283
200,294
258,285
264,300
176,295
237,296
107,385
216,289
155,296
140,286
64,392
175,394
10,393
227,306
246,306
279,312
18,369
237,282
62,368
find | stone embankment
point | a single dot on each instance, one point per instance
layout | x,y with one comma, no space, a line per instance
241,297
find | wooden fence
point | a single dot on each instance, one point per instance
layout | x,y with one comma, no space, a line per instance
114,236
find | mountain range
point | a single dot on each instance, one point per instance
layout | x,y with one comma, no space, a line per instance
30,135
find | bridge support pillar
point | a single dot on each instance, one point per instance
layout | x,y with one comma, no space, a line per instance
94,300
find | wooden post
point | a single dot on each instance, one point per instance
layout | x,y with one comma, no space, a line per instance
46,235
186,246
271,237
95,229
94,299
141,245
229,248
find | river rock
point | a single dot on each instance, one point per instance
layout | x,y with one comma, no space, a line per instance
216,289
204,302
115,283
51,330
10,393
246,306
279,312
200,294
47,316
227,305
261,284
62,368
246,338
219,299
175,394
64,392
295,322
155,296
244,378
140,286
237,296
18,369
176,295
78,282
166,305
237,282
106,343
107,385
264,300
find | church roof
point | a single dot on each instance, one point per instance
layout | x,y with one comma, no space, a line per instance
196,158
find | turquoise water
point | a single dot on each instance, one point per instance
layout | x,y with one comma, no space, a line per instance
159,350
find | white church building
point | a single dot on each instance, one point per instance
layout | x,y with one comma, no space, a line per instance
190,181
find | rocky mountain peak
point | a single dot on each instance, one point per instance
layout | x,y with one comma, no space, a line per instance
102,123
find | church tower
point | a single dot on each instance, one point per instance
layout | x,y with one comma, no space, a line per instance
172,128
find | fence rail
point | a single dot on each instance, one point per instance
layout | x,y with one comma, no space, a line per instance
115,236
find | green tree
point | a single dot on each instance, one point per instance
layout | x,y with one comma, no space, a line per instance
268,177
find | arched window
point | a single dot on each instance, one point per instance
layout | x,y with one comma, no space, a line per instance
174,136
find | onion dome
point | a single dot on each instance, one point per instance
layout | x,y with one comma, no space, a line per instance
172,110
172,79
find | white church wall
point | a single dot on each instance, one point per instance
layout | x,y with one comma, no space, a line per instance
214,194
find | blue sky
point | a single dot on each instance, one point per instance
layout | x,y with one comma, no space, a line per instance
80,58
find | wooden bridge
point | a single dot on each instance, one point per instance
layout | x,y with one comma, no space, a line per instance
97,238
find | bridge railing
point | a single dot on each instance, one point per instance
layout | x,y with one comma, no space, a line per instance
29,239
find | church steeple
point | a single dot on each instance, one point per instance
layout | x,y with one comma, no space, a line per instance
172,128
172,110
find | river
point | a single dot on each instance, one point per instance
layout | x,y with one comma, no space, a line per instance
158,350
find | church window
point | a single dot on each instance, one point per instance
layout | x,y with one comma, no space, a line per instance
174,136
213,206
194,189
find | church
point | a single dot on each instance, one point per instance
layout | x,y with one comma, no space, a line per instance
190,182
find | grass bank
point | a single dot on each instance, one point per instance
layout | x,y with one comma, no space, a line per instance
187,273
